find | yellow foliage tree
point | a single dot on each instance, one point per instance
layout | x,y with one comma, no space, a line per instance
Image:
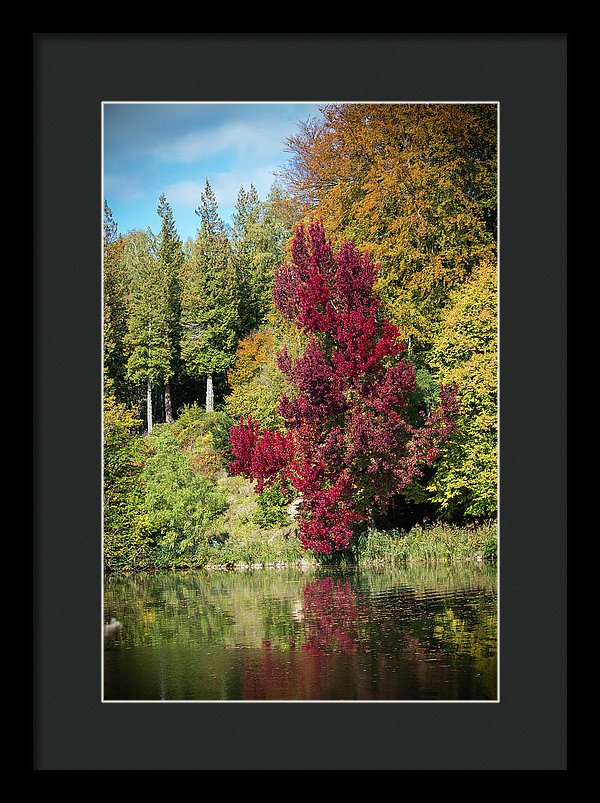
465,352
414,184
255,380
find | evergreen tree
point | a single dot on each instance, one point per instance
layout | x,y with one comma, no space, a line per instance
209,299
258,242
149,333
245,219
170,258
114,309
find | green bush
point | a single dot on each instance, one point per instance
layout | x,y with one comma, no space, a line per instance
125,539
272,503
179,503
198,431
490,548
203,438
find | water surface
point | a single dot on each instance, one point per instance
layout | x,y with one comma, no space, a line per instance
412,633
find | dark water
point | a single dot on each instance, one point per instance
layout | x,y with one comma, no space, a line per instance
416,633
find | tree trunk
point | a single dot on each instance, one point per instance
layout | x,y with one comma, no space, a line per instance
149,406
168,404
210,396
371,518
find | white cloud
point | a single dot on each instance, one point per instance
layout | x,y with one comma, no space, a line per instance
123,188
186,193
149,149
239,138
200,144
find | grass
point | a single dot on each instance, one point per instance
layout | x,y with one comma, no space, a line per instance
237,541
437,543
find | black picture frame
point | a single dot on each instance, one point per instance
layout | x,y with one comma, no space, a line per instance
73,73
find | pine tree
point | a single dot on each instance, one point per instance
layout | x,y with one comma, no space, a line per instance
114,309
245,219
209,299
170,258
258,242
151,353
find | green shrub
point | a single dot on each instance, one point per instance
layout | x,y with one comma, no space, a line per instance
248,547
490,548
179,503
272,503
126,543
201,432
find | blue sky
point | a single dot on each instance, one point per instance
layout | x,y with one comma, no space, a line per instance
173,148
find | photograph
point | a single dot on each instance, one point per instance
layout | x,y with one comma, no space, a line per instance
300,401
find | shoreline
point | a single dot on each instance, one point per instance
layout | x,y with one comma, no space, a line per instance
438,544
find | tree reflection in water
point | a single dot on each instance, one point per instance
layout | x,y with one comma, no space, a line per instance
308,669
331,614
413,632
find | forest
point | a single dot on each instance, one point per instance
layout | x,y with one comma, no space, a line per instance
317,379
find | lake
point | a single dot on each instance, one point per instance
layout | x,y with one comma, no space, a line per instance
408,633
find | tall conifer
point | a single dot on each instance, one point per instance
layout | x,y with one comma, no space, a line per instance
258,242
114,309
151,352
170,257
210,299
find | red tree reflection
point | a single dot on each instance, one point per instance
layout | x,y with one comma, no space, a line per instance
331,614
329,623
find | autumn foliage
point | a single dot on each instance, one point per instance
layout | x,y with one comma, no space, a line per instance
346,446
415,184
255,381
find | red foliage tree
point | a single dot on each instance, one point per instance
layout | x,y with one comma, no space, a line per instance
347,445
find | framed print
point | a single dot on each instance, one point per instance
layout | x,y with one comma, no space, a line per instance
292,468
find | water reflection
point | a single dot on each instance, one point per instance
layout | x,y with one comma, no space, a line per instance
410,633
331,612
